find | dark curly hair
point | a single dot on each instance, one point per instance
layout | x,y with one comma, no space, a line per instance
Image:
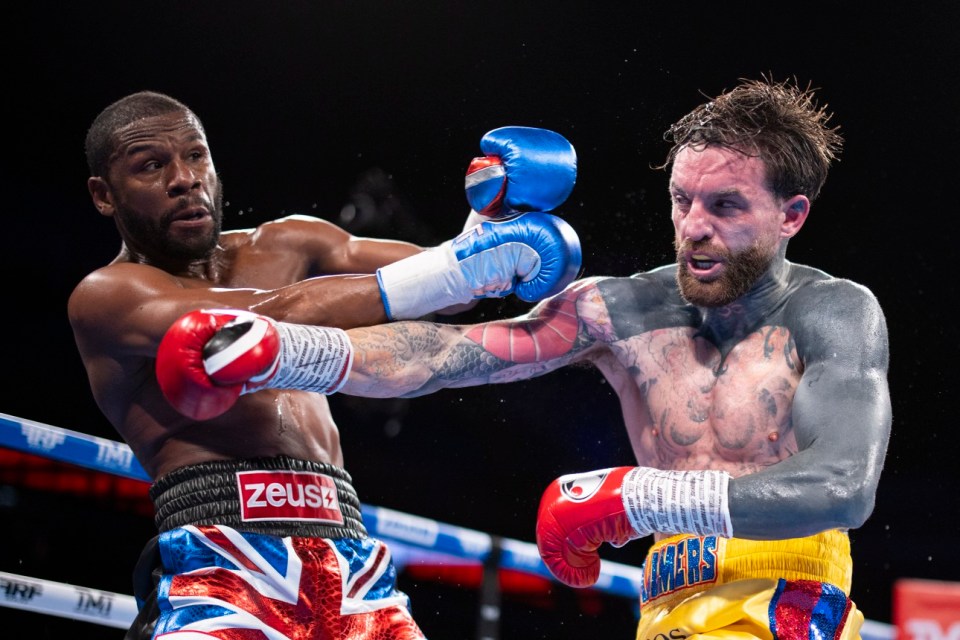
779,122
100,142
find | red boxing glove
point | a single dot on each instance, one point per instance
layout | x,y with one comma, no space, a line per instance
209,358
578,513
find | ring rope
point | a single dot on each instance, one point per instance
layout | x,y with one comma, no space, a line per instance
67,601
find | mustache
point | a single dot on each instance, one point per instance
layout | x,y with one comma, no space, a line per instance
701,245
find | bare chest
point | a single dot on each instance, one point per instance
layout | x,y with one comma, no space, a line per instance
687,405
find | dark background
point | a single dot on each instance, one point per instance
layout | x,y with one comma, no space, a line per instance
367,113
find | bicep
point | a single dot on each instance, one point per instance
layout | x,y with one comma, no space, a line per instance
842,405
844,414
330,249
366,255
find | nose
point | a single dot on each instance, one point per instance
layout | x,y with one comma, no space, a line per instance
696,224
182,178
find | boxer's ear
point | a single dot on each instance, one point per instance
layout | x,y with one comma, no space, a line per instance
795,211
101,195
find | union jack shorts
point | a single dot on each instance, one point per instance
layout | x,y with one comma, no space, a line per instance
220,583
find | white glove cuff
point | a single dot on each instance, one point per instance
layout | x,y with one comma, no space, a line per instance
312,358
677,501
422,283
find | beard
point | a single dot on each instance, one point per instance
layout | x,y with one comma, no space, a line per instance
742,271
152,236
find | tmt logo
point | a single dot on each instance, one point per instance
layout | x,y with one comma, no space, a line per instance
93,603
114,455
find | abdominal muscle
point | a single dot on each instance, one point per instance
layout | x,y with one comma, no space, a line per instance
267,423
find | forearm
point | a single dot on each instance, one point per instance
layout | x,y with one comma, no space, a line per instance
409,359
800,497
413,358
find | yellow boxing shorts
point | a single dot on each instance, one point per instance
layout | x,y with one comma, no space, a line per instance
713,587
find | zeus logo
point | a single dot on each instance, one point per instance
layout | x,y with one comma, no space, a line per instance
288,495
277,495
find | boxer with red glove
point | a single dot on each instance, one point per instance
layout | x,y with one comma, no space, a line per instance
210,357
579,512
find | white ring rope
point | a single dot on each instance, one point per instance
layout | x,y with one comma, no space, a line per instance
394,527
67,601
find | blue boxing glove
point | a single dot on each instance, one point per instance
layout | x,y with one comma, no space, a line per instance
523,169
534,255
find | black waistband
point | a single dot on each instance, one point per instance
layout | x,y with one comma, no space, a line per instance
207,493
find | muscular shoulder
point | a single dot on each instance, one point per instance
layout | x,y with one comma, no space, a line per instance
120,283
644,288
610,309
109,306
830,316
647,301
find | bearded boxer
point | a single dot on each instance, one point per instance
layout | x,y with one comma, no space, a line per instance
260,527
754,389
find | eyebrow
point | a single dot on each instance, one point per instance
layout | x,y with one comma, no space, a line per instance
139,147
730,191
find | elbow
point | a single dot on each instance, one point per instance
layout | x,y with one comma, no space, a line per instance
853,504
857,512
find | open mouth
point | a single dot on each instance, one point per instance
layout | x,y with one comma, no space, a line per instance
190,214
702,264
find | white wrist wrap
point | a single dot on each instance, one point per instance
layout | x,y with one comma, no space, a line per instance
677,501
312,358
473,219
422,283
